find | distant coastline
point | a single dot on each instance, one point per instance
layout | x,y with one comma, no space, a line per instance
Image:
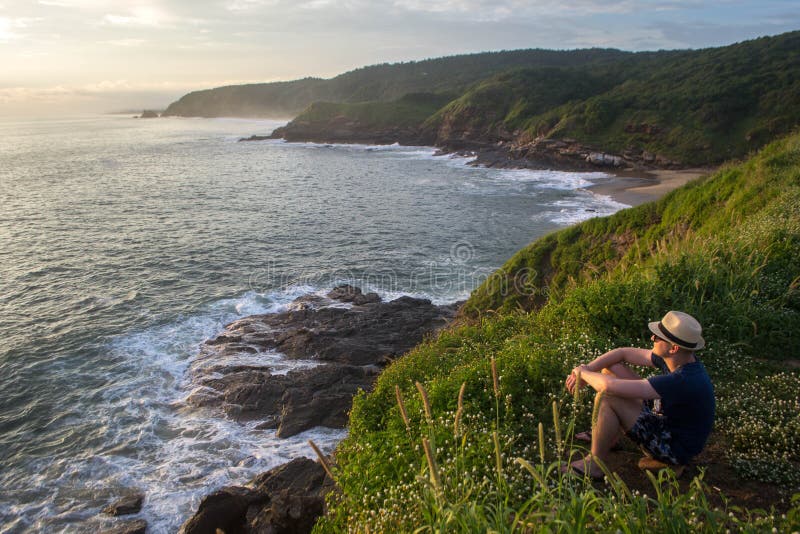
632,185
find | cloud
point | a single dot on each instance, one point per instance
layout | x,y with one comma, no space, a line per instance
126,43
9,25
139,16
514,9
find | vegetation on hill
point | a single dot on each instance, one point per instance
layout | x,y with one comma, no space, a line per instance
385,82
465,433
687,107
698,108
407,111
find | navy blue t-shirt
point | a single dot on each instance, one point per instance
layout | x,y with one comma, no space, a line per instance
687,403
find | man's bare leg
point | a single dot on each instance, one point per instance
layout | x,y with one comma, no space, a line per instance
619,370
615,415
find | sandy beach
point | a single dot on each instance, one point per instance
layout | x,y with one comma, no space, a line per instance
641,187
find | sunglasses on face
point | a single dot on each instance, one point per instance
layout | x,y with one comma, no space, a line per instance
656,338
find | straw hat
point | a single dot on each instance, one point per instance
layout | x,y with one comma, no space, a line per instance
679,329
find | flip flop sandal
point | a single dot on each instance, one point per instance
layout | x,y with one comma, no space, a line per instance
571,469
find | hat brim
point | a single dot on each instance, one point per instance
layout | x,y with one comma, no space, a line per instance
654,328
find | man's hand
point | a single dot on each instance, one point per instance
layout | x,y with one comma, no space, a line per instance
572,379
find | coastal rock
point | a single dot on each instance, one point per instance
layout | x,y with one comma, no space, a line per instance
255,138
286,499
138,526
345,130
605,160
131,504
148,114
224,509
341,340
348,293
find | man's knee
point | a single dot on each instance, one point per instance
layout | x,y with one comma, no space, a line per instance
620,370
626,408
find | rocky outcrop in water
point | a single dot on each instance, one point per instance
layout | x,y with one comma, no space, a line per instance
286,499
130,504
346,130
338,343
137,526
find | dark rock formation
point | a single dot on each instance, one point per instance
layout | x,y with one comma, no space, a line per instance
346,130
138,526
286,499
347,293
343,340
131,504
255,138
498,148
148,114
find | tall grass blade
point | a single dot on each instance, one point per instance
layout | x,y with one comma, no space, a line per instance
557,426
402,406
541,442
495,381
425,402
322,459
432,465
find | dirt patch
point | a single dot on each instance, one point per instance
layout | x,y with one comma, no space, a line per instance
720,478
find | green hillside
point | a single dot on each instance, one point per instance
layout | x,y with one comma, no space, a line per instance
684,108
385,82
723,248
701,108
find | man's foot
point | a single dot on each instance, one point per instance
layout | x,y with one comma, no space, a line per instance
582,467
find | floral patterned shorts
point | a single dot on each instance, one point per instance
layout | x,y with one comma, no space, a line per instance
650,431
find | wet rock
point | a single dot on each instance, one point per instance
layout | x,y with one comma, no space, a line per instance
131,504
287,513
349,346
604,160
299,476
224,509
138,526
286,499
348,293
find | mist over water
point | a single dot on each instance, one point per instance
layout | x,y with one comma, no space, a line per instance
125,243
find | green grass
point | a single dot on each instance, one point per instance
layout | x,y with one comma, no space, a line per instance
724,248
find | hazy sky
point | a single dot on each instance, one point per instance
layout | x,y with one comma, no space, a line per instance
104,55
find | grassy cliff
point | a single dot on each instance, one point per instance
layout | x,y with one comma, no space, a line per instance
465,432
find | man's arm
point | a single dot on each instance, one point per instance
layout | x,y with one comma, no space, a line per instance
631,355
631,389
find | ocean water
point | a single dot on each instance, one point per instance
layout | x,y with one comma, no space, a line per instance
125,243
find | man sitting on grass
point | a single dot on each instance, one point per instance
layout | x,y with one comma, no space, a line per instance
672,433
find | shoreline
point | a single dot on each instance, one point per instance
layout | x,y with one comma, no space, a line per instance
630,185
634,188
